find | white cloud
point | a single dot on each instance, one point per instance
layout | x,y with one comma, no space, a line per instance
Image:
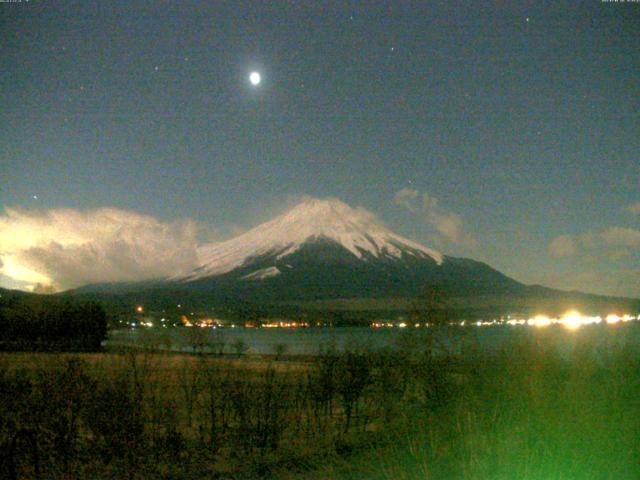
616,242
634,208
621,237
68,248
429,203
448,224
562,246
406,198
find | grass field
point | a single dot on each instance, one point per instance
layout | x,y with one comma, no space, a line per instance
534,409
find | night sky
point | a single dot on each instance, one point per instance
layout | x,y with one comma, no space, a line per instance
506,132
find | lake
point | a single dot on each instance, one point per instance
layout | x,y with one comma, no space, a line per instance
310,341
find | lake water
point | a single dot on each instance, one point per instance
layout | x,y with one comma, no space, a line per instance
310,341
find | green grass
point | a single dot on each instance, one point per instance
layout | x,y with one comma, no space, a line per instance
527,413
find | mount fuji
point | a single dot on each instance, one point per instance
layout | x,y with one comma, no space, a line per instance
311,222
324,254
325,249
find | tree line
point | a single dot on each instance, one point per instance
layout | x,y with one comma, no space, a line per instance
40,323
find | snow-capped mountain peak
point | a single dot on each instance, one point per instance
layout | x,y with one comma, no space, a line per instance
355,229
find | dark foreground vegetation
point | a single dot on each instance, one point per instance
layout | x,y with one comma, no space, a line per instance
45,323
536,409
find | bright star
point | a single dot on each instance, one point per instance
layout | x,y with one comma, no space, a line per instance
255,78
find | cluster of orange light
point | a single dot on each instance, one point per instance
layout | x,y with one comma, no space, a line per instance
381,324
398,325
283,324
207,322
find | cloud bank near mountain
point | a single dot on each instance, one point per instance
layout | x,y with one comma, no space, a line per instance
66,248
447,224
616,241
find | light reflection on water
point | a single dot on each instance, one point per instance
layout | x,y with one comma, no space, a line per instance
603,337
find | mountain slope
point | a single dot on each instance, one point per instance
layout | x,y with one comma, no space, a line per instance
323,269
356,230
324,249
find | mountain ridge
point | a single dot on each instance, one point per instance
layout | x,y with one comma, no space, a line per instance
356,229
323,250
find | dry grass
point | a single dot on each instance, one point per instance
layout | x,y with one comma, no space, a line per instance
529,411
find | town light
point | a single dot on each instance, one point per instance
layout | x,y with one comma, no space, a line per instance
571,320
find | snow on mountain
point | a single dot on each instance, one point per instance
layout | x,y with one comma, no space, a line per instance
262,274
355,229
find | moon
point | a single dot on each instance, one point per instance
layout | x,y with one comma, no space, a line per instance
255,78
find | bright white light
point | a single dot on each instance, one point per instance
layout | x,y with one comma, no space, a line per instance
541,321
255,78
572,320
613,318
13,268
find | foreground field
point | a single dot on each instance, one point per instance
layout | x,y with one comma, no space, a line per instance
535,409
